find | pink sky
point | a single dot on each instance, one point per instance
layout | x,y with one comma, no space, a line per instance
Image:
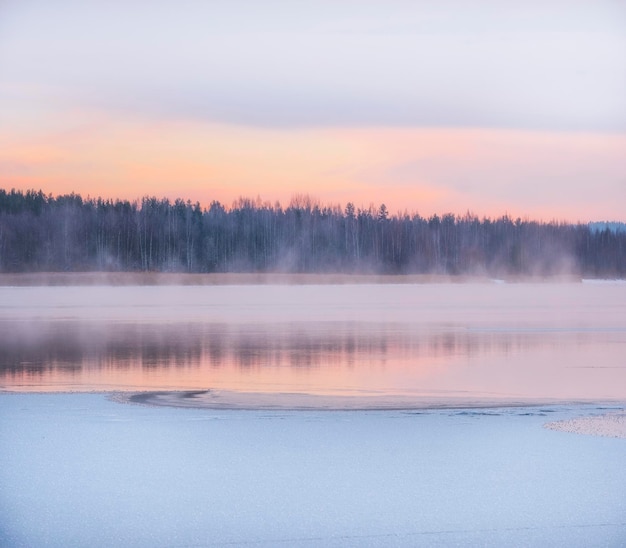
431,107
570,176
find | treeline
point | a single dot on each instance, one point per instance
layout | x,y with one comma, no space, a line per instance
41,232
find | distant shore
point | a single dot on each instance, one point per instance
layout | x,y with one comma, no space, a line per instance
257,278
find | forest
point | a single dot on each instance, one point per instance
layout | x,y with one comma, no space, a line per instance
69,233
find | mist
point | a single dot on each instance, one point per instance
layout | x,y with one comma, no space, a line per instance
69,233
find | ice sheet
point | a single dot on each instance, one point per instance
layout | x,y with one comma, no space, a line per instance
82,470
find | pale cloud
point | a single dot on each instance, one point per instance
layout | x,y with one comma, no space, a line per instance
538,65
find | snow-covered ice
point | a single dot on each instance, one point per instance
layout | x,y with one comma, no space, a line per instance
612,425
83,470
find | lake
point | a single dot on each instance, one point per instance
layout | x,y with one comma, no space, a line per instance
326,346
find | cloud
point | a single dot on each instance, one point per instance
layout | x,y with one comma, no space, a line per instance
554,65
439,106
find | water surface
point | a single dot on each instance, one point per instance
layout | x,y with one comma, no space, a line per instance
396,344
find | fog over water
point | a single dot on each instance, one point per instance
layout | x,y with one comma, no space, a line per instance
348,345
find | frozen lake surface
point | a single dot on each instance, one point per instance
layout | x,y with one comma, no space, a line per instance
81,470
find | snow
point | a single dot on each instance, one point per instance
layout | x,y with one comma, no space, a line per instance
612,425
83,470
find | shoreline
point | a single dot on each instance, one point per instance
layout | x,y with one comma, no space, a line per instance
28,279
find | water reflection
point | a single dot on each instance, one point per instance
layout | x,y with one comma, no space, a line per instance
72,346
312,357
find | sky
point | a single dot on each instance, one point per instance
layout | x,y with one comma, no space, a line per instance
488,106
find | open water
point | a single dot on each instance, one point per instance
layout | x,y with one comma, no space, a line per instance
387,345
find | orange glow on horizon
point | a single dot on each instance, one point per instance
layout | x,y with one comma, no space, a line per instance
428,170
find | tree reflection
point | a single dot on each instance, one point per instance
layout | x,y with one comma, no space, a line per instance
67,348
